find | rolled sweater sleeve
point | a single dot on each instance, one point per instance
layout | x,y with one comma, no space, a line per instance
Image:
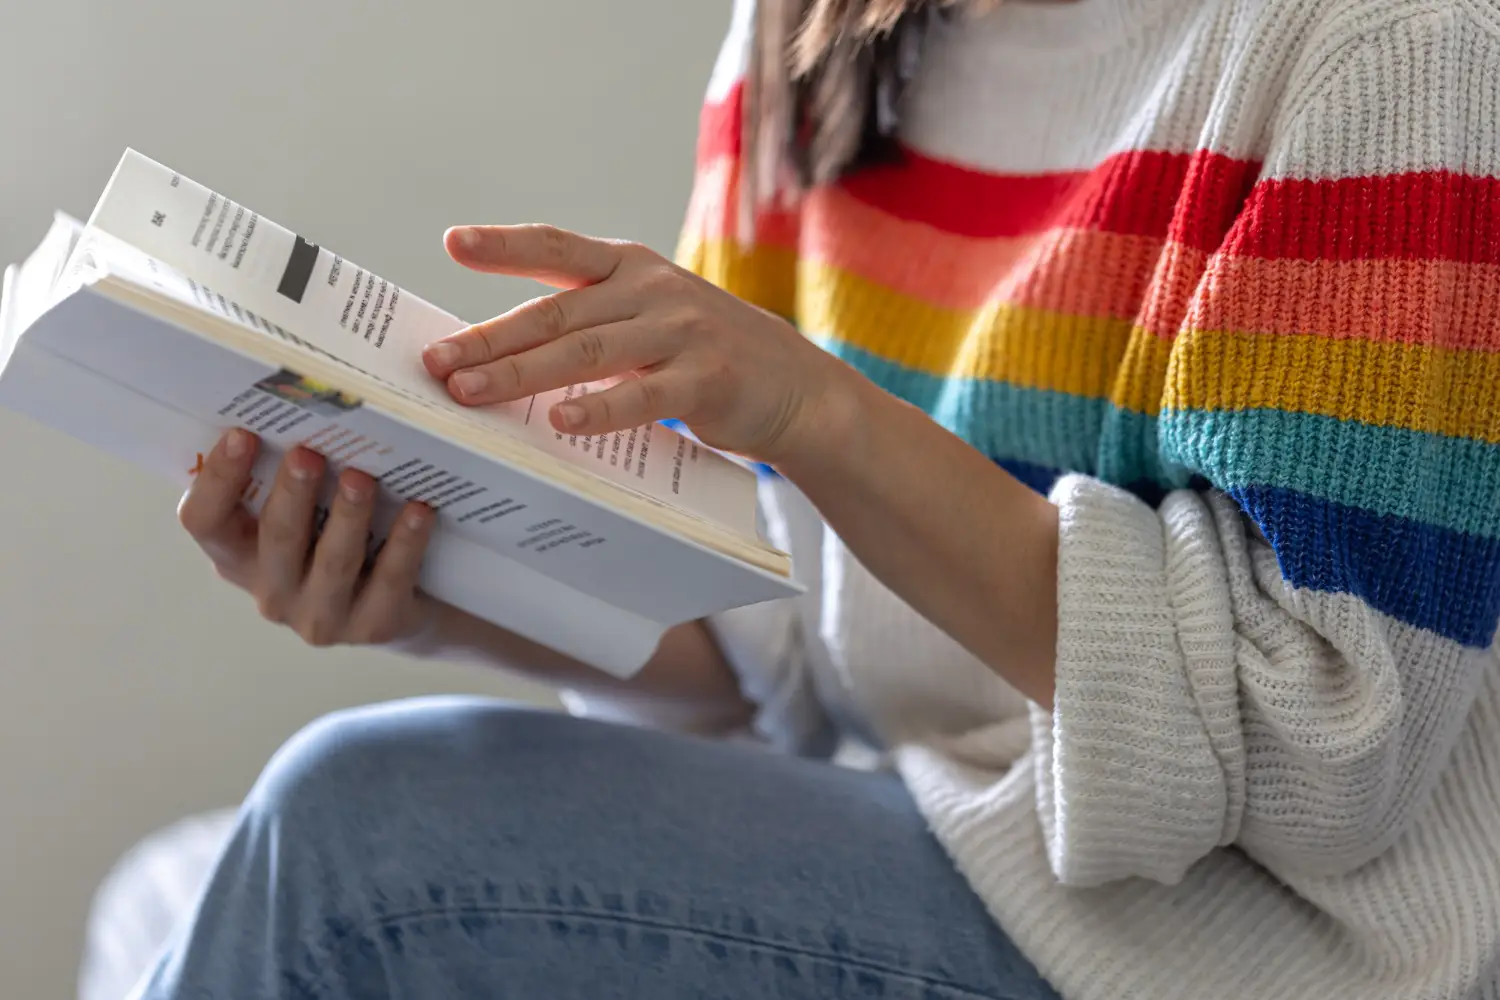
1282,657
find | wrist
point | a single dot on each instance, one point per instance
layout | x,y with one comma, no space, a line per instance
830,419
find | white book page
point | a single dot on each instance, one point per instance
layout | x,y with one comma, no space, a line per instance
233,261
36,278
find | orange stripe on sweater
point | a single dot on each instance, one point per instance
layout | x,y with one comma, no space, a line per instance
1083,272
1427,302
1062,270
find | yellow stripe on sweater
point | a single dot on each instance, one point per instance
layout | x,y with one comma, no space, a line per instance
764,276
1026,347
1419,388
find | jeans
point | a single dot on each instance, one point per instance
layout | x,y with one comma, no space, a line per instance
448,849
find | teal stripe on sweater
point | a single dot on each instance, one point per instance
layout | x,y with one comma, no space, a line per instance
1002,421
1040,426
1446,482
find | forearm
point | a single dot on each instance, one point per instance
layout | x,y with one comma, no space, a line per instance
955,536
687,685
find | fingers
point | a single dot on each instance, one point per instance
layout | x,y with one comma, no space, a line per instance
528,325
211,511
657,396
547,254
338,559
285,533
319,587
589,355
385,603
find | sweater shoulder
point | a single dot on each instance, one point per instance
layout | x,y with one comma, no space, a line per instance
1326,36
1391,86
1332,25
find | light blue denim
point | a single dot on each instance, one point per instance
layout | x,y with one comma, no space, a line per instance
459,849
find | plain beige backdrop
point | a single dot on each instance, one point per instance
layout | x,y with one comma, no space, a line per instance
134,687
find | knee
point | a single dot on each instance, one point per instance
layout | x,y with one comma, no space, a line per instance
362,769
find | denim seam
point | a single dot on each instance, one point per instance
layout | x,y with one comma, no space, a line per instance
645,922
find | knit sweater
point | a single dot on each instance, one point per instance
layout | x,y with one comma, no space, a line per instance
1223,277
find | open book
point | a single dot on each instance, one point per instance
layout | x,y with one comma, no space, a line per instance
175,314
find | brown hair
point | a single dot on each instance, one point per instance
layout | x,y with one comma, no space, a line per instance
824,86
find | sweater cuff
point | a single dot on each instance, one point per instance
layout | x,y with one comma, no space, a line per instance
1128,781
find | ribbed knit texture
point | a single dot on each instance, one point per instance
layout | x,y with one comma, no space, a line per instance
1222,276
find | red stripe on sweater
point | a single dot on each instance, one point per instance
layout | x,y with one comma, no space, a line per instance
719,127
1414,216
1192,198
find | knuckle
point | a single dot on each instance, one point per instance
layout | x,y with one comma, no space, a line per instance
552,318
273,607
653,395
686,321
479,348
659,279
638,253
590,350
321,632
508,374
494,243
554,246
600,407
717,381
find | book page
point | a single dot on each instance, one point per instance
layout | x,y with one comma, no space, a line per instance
37,276
233,261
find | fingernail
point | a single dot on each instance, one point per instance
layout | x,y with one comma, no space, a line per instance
444,353
470,383
466,237
354,491
571,414
301,467
416,518
236,444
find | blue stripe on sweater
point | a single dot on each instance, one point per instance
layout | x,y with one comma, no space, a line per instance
1444,581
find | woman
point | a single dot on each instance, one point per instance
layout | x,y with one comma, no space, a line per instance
1142,455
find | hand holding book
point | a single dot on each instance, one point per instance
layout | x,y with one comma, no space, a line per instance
178,314
743,380
314,578
311,573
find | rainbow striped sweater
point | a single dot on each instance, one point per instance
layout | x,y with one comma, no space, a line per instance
1222,276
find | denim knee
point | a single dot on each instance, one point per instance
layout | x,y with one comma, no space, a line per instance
359,770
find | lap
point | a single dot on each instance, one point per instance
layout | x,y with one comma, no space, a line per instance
588,859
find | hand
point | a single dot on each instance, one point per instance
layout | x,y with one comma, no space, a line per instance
742,379
315,585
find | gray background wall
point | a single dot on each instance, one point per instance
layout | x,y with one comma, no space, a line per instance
134,687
